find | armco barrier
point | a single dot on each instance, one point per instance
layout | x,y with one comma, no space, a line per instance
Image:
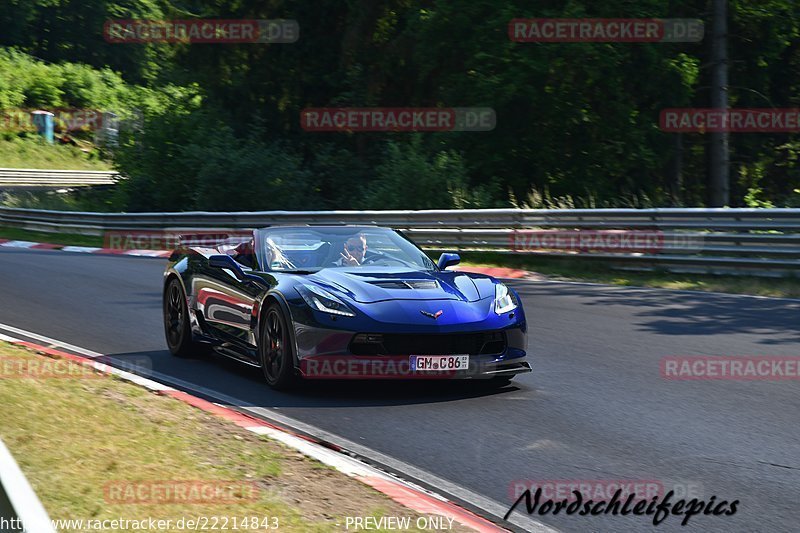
23,178
759,241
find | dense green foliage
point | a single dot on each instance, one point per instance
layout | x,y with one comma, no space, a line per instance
577,124
27,82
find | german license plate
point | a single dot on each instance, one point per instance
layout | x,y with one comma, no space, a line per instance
438,363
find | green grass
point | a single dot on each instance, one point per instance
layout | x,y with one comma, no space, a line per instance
93,199
17,234
594,271
72,436
33,152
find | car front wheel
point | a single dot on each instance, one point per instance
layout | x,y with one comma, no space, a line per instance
275,349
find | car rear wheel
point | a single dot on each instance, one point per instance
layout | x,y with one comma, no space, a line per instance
176,322
275,350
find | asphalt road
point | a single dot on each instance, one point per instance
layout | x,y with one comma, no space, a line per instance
595,407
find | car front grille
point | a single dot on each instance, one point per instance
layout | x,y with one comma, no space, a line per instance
484,343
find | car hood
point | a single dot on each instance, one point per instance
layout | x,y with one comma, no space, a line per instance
401,284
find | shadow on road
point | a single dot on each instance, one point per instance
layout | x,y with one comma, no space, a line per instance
238,380
666,312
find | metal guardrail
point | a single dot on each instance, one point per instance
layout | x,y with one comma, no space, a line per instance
719,240
25,178
19,506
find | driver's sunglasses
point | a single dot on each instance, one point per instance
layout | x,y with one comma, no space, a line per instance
354,247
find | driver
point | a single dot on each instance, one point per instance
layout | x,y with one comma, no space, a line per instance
355,248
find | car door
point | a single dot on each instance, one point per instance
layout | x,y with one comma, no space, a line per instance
227,303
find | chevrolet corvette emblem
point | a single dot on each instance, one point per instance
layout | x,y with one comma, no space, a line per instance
434,316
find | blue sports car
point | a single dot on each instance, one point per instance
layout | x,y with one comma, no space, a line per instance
342,302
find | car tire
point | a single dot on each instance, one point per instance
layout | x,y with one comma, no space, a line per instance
176,322
275,352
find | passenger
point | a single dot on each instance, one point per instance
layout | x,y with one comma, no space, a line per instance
245,254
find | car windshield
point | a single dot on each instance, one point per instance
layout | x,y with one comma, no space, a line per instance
314,248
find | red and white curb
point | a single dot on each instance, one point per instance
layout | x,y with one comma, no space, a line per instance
500,272
4,243
404,493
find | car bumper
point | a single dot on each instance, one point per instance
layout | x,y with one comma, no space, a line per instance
328,354
327,347
399,367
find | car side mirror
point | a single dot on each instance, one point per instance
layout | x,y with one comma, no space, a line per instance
226,261
448,260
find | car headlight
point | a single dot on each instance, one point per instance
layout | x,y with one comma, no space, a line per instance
321,300
504,301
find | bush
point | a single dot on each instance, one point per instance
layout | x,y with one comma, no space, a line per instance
28,82
189,159
339,174
251,176
408,178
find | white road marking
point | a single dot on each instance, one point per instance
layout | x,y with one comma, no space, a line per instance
83,249
51,342
148,253
19,244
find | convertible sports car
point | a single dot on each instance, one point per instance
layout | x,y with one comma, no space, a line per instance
339,302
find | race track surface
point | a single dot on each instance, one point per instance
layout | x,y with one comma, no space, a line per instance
594,408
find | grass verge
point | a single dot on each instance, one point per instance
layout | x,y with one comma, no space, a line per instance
597,272
67,239
33,152
73,436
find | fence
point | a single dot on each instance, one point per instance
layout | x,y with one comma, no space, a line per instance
22,178
761,241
